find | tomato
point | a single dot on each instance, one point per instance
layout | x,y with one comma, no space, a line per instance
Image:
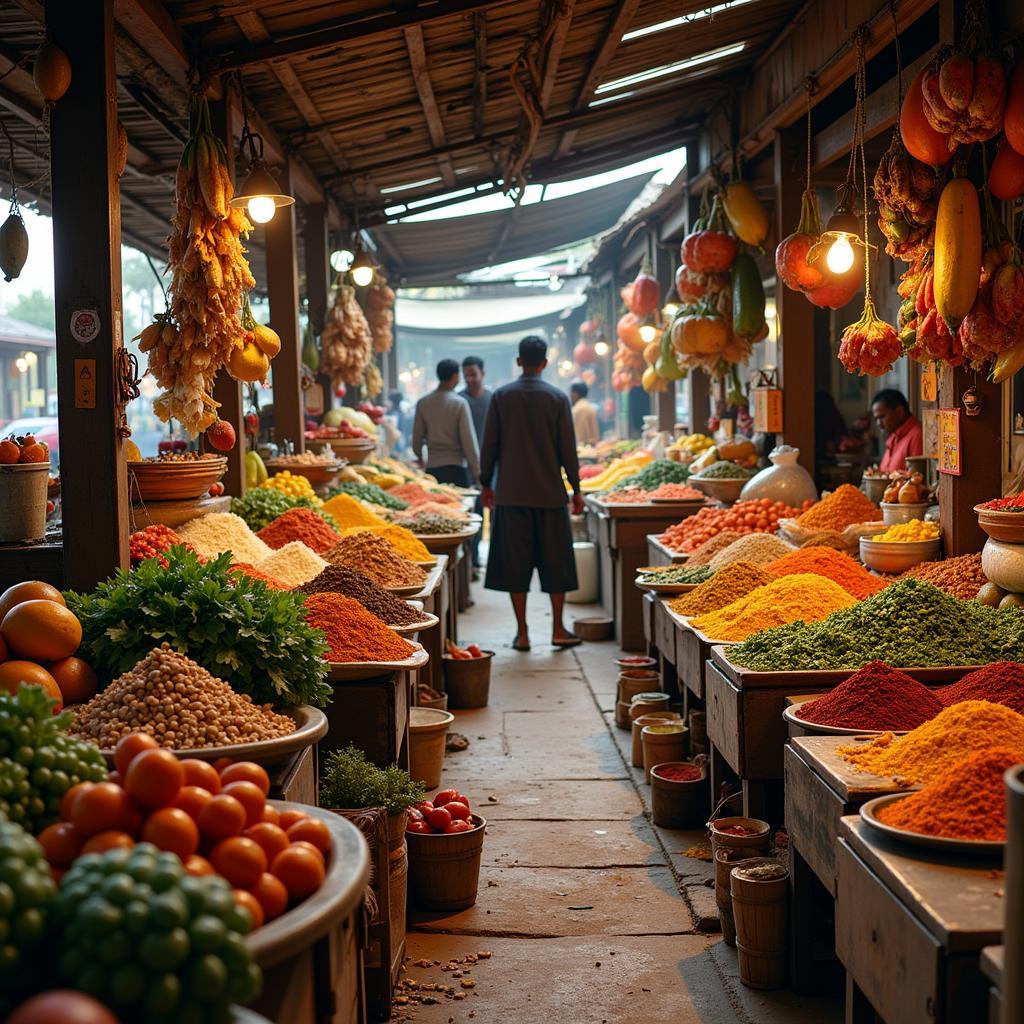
301,872
445,796
271,894
222,817
221,763
439,819
112,839
71,796
288,818
458,811
62,1006
271,838
306,845
250,903
414,814
61,844
202,774
314,831
102,807
421,828
130,745
154,778
199,866
424,807
246,771
462,799
250,796
192,800
241,861
271,814
458,826
172,829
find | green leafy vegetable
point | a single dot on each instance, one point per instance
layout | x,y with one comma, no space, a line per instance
349,780
262,505
254,638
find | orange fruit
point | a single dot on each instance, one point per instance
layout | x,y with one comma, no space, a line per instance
110,840
76,679
199,866
250,796
270,837
68,799
41,630
14,673
34,453
4,652
271,894
154,778
253,905
271,815
289,818
240,860
131,745
246,771
300,870
30,590
172,829
222,817
192,800
9,452
201,774
313,831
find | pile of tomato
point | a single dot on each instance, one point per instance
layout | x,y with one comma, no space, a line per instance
760,516
447,814
214,817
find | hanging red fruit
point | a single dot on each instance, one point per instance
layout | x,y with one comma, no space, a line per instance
628,332
643,295
1013,118
221,435
1006,175
583,354
711,250
794,270
688,287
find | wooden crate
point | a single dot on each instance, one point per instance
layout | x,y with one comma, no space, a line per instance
374,715
296,779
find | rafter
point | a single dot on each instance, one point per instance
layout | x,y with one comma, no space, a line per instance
416,48
479,71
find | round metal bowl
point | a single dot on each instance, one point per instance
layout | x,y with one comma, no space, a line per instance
317,474
310,728
726,489
174,481
896,512
792,720
896,556
355,449
939,844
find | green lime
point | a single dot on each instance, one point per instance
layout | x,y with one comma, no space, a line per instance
207,933
235,953
119,889
164,951
6,899
127,984
162,994
238,919
218,900
99,916
116,947
169,909
92,979
136,917
206,978
29,925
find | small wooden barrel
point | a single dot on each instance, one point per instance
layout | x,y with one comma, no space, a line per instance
677,803
637,747
633,681
662,742
444,870
756,843
760,908
467,681
726,859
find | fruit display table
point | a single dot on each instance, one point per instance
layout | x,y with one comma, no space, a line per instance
910,928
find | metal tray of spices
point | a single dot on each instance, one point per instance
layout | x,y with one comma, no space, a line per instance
427,622
666,588
940,844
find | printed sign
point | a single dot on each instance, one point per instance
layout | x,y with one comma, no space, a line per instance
929,383
85,325
949,442
85,383
767,410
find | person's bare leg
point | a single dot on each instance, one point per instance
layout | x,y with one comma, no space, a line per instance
558,630
522,630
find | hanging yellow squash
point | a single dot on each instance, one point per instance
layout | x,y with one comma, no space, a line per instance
746,213
958,250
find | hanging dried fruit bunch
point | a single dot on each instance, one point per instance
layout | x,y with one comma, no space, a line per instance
907,194
373,381
964,95
201,331
346,340
627,368
380,306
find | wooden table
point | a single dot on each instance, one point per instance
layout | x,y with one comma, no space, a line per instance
910,928
434,596
992,959
658,554
821,788
620,533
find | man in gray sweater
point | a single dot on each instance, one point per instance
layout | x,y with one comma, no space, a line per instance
443,423
528,441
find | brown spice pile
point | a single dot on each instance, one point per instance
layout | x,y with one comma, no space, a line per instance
377,558
962,577
727,585
180,704
341,579
710,548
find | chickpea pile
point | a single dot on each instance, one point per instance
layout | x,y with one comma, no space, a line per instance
180,704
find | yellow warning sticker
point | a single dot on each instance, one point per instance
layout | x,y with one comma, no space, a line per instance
85,383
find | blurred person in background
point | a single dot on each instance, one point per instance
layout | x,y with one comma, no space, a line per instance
479,398
443,423
901,429
584,414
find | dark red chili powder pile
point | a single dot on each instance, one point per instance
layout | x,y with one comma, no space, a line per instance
679,773
877,697
737,830
999,683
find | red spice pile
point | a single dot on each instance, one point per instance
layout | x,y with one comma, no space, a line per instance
256,574
352,633
966,801
875,698
299,524
999,683
677,772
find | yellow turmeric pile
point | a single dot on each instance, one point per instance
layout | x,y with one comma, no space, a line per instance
802,597
404,541
349,511
939,744
727,585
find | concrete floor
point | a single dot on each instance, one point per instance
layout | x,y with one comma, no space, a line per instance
590,913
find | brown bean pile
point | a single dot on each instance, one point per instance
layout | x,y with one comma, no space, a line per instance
376,558
341,579
180,704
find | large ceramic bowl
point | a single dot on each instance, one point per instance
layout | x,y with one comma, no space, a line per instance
174,481
896,556
1003,564
1004,526
725,490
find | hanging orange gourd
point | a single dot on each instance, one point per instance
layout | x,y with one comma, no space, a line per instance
746,213
964,96
643,295
51,72
628,332
923,142
1006,175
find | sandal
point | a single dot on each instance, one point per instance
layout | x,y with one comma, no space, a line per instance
517,646
569,641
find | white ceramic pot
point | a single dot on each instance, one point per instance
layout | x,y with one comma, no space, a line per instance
784,480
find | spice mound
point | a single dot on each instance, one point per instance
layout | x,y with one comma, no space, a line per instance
341,579
908,533
703,554
377,558
678,772
420,521
414,494
293,564
180,704
349,511
353,633
802,597
939,744
254,574
687,574
1000,683
756,548
844,507
833,565
299,524
966,801
676,492
962,576
876,698
910,623
223,531
404,541
732,583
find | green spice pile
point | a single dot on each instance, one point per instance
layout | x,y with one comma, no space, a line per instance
262,505
369,492
724,471
431,523
909,624
654,474
341,579
679,574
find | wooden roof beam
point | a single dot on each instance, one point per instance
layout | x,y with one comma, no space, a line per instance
479,72
554,52
417,50
334,34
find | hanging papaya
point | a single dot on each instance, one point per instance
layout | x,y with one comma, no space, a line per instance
1006,175
957,251
51,72
1009,363
1013,119
747,297
922,141
746,213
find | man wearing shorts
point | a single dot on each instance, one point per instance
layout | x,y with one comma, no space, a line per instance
528,441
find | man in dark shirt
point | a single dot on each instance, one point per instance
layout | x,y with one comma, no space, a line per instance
528,441
479,398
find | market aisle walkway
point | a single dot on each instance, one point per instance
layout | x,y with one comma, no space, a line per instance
592,915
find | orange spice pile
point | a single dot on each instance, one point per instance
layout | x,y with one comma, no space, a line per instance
353,633
844,507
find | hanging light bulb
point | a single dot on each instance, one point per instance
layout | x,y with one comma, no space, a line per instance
671,308
362,269
648,331
261,209
841,234
260,195
840,255
602,349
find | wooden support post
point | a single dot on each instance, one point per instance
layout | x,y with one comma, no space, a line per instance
796,314
283,292
226,389
663,271
87,292
317,253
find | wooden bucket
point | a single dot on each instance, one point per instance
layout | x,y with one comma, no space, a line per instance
760,908
637,748
636,680
679,804
754,844
444,870
467,681
427,731
662,742
23,502
621,714
725,860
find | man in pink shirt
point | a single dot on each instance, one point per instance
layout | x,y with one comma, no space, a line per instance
901,429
